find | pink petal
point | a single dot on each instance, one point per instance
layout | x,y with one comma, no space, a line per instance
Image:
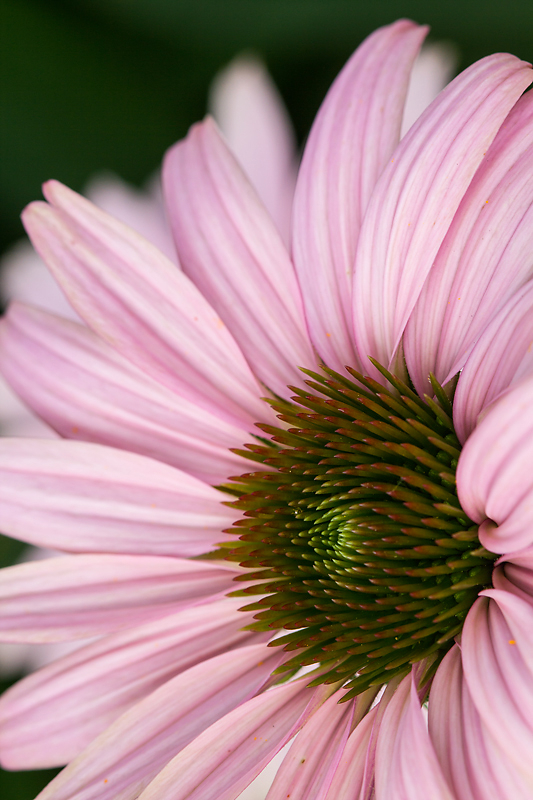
354,778
48,718
446,730
514,573
482,262
473,762
418,194
498,665
495,361
137,300
250,112
25,277
494,479
76,496
59,599
311,763
354,135
85,390
229,247
434,67
123,760
141,210
406,764
225,758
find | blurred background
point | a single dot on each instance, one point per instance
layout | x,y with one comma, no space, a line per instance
93,85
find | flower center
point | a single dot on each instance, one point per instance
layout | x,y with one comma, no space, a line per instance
358,542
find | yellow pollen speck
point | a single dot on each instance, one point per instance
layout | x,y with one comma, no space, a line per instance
220,324
105,780
75,429
512,641
328,334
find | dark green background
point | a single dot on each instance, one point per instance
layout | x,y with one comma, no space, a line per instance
87,85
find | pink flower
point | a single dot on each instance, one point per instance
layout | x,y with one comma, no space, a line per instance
384,537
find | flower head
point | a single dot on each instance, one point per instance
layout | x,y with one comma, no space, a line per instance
379,381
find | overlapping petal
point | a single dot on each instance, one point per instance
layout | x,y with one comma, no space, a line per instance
77,496
514,573
250,113
136,299
472,761
223,760
85,390
406,763
494,479
125,758
309,767
354,135
231,250
48,718
498,667
500,357
75,597
484,258
419,193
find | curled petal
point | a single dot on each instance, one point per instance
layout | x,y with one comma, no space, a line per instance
494,479
229,247
85,390
419,193
354,135
76,496
135,298
514,573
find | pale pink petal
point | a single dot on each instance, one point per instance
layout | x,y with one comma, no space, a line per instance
137,300
494,478
85,390
353,136
498,666
406,763
432,70
229,247
419,193
473,763
82,596
16,419
141,210
24,277
482,262
123,760
250,113
497,359
229,754
77,496
48,718
310,765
